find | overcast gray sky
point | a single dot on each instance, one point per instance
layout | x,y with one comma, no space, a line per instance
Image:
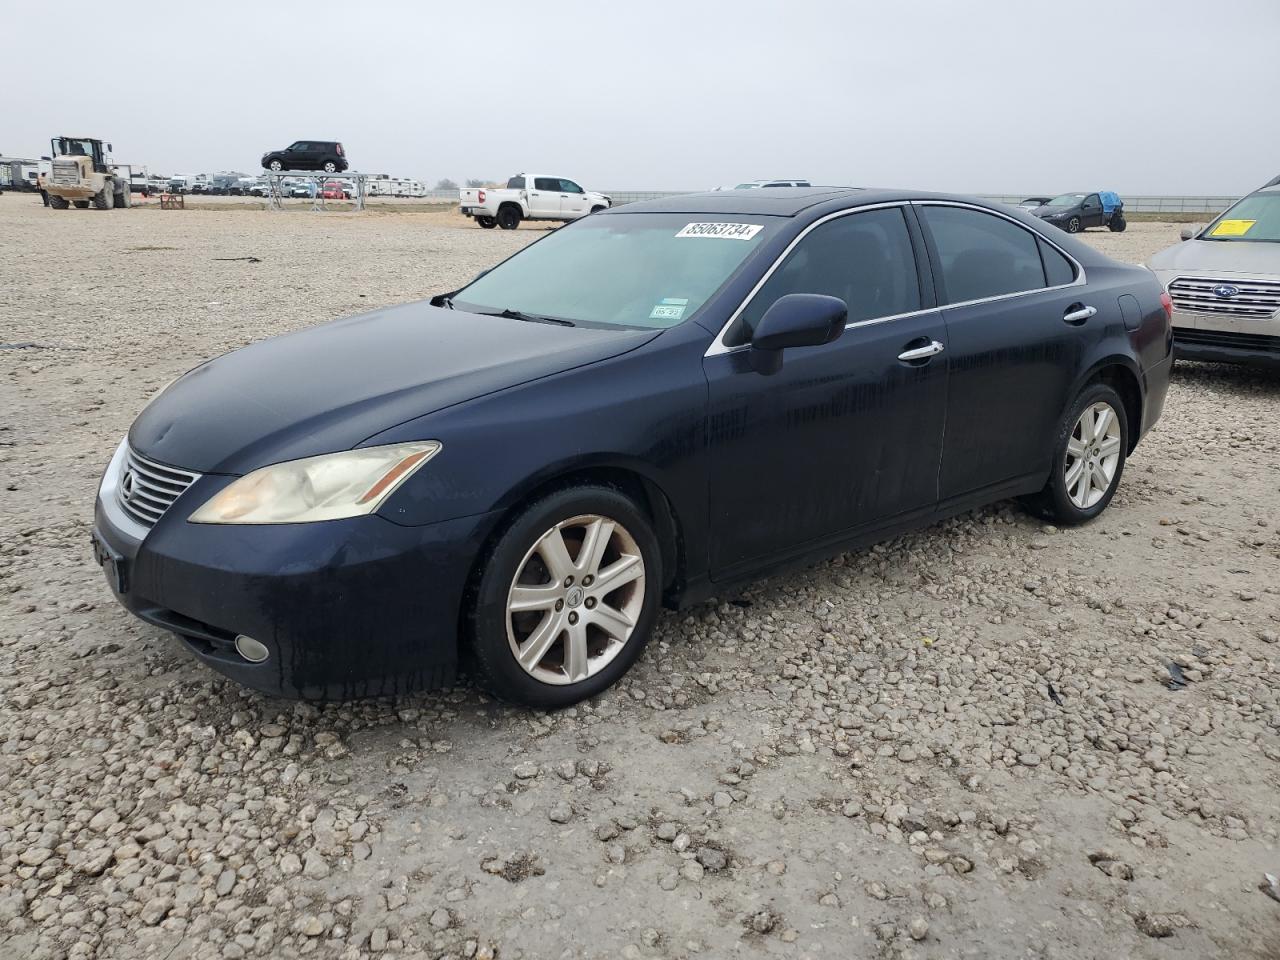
990,96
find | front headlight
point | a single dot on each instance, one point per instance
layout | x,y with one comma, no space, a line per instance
329,487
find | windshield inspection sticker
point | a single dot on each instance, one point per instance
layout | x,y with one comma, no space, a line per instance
671,308
1232,228
721,231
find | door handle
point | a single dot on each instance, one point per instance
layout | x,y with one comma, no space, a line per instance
1078,313
930,349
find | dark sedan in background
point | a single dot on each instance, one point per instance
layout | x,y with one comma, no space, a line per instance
1074,212
648,406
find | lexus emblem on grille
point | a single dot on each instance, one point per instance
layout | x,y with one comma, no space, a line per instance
126,486
1226,291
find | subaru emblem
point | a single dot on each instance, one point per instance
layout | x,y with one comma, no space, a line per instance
1226,291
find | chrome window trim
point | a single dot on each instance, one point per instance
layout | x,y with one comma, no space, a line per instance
718,346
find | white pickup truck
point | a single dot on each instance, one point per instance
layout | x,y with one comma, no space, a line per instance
529,197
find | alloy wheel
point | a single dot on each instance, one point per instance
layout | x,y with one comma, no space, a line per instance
1093,455
575,600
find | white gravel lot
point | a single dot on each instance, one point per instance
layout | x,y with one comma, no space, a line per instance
956,744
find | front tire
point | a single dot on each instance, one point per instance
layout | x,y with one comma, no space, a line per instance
509,217
105,198
487,222
1073,225
58,203
566,598
1089,454
275,165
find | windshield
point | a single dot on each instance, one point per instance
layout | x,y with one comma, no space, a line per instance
75,148
651,270
1255,218
1065,200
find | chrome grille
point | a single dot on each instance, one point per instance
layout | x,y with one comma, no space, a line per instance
147,489
1256,299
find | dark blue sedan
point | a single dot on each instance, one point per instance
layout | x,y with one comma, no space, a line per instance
646,407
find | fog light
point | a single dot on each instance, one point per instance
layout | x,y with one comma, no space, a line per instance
251,649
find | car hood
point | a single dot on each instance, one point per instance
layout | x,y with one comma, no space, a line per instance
1219,256
330,387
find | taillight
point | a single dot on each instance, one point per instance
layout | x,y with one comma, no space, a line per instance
480,196
1167,302
339,149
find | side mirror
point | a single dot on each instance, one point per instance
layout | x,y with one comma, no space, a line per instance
796,320
1189,233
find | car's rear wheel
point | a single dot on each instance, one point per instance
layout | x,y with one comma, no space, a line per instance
275,165
1090,450
330,167
487,222
1117,224
1073,225
566,598
509,217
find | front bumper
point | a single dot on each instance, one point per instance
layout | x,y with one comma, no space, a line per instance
346,608
1226,346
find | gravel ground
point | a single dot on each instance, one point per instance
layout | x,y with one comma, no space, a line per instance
956,744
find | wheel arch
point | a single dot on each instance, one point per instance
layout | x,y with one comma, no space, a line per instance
1121,374
642,489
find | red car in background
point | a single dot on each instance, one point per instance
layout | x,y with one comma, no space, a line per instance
333,191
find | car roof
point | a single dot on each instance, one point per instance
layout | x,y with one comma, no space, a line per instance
785,201
774,201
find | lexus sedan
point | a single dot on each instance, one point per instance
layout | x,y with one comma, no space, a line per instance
646,407
1225,284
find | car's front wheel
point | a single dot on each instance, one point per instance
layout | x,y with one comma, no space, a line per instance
276,165
566,598
1090,450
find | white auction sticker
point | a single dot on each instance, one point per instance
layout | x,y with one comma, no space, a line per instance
721,231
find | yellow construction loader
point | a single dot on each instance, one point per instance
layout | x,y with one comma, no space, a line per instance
81,174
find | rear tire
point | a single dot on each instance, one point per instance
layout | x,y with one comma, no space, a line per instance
80,204
1073,225
330,167
569,618
58,203
1089,453
487,222
509,217
1117,224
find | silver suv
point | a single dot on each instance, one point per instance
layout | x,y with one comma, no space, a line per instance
1224,280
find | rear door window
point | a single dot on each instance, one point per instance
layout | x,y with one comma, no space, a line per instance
546,183
865,259
982,255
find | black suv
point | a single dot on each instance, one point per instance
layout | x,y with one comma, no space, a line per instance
326,155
